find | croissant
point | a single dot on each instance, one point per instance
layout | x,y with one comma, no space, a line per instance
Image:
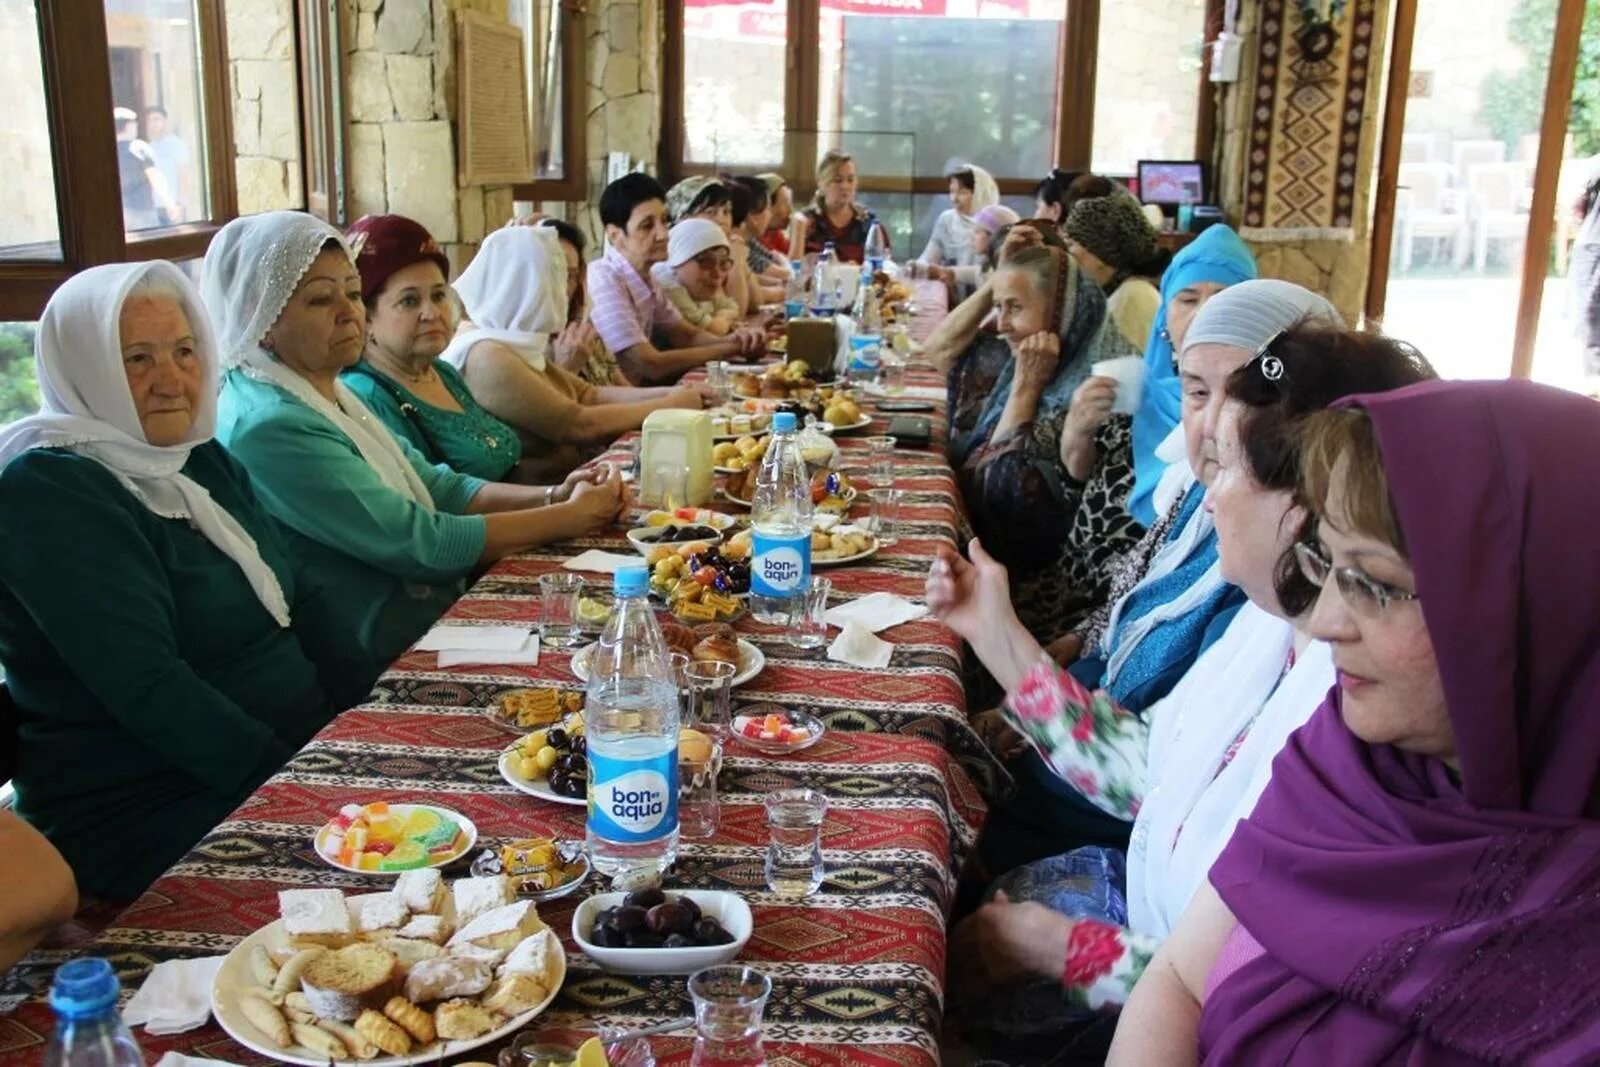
679,638
723,648
412,1019
383,1033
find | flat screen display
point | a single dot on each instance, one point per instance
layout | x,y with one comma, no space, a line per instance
1172,181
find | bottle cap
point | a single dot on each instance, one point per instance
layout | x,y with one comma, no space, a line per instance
84,988
783,421
632,580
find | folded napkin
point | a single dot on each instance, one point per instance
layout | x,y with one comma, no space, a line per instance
175,996
601,562
875,612
526,656
178,1059
478,638
856,646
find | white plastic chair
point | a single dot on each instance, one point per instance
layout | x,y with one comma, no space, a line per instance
1427,209
1498,195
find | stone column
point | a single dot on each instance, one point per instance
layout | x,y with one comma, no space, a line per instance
266,105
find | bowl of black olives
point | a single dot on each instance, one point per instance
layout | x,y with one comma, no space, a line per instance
649,931
646,538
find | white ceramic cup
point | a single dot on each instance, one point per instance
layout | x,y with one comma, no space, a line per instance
1128,373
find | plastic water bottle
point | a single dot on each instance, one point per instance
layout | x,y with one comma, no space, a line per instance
876,249
794,291
631,722
825,283
89,1032
780,520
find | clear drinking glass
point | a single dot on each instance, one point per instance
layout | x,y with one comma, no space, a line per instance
698,816
880,460
728,1004
558,609
808,624
883,516
717,378
708,688
678,666
794,852
667,487
892,374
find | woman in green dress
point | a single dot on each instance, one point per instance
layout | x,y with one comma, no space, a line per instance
392,536
164,653
400,378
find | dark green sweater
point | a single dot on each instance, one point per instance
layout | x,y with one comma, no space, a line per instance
155,690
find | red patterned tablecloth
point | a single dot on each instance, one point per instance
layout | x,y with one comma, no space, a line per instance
858,969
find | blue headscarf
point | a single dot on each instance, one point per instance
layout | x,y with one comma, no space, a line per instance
1218,256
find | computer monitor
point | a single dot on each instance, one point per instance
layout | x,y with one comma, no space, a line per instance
1170,182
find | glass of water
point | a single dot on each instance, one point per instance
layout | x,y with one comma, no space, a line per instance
883,515
794,852
708,686
667,487
880,460
698,764
717,378
558,609
728,1003
808,611
892,374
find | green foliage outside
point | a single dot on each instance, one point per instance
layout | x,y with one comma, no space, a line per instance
1513,102
19,391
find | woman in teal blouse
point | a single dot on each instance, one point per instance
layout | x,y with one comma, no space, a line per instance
400,378
390,535
164,654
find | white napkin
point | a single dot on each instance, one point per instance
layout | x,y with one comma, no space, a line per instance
601,562
855,645
178,1059
478,638
875,612
176,996
526,656
910,392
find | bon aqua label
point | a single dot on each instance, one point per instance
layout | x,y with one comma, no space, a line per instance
633,800
779,565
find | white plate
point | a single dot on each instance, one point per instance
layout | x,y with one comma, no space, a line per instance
751,661
817,561
756,434
829,428
535,788
729,909
234,976
465,824
849,501
717,520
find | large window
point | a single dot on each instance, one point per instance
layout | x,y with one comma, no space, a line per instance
554,38
910,87
116,139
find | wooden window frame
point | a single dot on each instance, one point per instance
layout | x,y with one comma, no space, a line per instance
1080,36
75,54
573,185
320,67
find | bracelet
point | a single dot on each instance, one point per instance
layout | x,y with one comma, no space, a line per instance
549,494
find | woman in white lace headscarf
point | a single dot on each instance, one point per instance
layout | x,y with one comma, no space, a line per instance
391,536
950,245
149,605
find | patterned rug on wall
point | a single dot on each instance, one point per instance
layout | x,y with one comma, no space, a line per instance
1306,126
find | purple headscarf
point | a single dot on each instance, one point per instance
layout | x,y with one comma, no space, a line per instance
1406,916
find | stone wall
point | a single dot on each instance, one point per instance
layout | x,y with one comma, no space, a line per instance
1336,269
266,104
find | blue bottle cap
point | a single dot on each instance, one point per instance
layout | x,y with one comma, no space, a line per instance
632,580
783,422
84,988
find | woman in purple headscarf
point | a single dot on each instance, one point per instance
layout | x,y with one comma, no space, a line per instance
1420,884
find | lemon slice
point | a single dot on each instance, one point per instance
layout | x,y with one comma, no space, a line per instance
406,856
420,823
590,610
592,1054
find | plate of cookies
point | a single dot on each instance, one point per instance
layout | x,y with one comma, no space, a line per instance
841,544
708,641
521,710
422,972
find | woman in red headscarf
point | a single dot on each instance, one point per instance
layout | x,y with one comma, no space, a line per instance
1418,884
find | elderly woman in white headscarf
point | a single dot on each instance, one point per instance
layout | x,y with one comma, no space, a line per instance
150,609
390,536
950,245
515,295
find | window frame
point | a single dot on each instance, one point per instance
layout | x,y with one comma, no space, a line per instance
75,55
1080,35
320,67
573,185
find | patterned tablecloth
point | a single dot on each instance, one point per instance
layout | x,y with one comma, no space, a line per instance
858,969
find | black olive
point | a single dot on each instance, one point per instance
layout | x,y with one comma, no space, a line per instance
643,939
677,941
572,786
557,780
645,898
556,738
629,918
579,744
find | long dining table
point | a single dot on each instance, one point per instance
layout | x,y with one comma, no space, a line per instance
857,969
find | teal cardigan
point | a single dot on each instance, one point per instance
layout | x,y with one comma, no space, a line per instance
154,689
391,566
470,441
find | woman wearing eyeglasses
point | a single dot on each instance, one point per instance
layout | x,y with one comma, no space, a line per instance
1417,883
1194,763
695,276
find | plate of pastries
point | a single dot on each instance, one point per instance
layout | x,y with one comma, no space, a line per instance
715,641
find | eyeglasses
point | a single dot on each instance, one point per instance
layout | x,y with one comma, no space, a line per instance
1363,594
721,264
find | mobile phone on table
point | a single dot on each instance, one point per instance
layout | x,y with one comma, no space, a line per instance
911,431
893,406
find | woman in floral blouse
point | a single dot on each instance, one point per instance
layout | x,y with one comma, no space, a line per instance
1209,743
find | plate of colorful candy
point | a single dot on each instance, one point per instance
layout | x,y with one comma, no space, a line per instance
384,838
775,730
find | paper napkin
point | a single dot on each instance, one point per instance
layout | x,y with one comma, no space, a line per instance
855,645
175,996
601,562
875,612
478,638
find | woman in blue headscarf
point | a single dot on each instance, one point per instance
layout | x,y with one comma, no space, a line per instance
1206,266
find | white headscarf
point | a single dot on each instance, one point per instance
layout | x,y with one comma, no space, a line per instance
515,292
984,189
253,266
88,408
